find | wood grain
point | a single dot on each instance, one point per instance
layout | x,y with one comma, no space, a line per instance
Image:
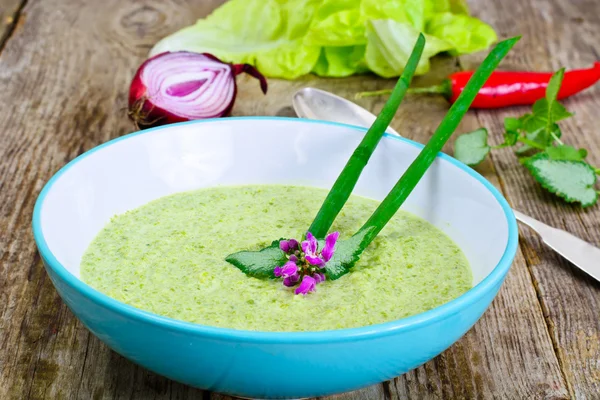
64,74
566,36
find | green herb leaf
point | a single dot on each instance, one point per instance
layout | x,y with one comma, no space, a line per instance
554,85
566,153
553,111
510,139
259,264
540,127
572,180
472,148
347,253
512,124
511,134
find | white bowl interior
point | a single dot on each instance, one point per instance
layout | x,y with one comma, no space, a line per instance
131,172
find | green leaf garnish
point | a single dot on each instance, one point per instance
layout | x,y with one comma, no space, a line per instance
511,134
550,110
510,139
566,153
472,148
347,253
572,180
512,124
258,264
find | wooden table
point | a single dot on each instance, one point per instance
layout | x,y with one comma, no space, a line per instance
65,67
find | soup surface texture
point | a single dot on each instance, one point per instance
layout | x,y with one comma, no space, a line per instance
167,257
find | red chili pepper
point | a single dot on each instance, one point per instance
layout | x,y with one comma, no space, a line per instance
507,88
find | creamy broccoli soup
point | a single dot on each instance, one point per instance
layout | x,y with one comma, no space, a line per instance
168,257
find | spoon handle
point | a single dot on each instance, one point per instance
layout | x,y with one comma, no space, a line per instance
579,252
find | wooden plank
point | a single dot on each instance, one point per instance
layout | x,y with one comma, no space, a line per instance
66,94
558,34
64,77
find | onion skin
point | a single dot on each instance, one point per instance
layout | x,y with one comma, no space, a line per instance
148,110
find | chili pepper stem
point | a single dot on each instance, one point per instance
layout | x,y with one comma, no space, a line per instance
443,89
373,93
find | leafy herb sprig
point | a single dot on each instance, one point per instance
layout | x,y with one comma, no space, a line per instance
261,263
559,168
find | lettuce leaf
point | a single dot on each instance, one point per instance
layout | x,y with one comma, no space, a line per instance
266,33
339,62
337,23
290,38
389,44
406,11
465,34
433,7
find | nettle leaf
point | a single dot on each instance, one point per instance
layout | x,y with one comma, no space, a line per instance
510,139
554,85
571,180
347,253
566,152
540,126
538,130
512,124
472,148
259,264
553,111
511,134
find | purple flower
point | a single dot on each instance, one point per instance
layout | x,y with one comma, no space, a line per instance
307,285
291,280
300,266
284,245
290,268
288,246
309,247
319,277
329,248
293,244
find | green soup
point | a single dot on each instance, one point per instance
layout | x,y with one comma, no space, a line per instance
167,257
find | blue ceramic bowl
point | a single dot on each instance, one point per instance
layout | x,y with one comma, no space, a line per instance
132,170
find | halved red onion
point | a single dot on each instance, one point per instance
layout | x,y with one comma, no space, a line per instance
182,86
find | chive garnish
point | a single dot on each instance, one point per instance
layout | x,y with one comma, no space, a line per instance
303,264
343,186
390,205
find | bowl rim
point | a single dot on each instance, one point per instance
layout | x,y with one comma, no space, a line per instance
444,311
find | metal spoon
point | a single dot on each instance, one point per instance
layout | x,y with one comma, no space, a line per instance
314,103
